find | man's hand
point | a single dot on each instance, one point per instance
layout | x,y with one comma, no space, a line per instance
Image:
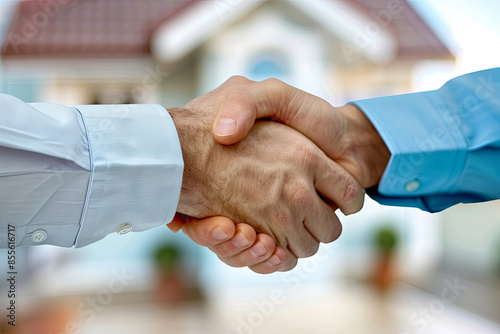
275,180
237,245
344,133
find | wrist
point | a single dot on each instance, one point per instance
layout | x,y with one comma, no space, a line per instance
194,140
367,154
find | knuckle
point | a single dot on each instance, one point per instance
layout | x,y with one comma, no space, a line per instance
329,230
238,80
314,249
333,235
299,194
235,95
290,264
353,196
276,87
283,220
285,110
352,189
307,152
283,224
274,82
308,249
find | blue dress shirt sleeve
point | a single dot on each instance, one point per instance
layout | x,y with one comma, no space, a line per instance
445,144
70,176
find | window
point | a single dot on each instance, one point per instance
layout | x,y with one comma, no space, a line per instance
268,66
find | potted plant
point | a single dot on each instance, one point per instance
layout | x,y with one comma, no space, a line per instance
385,241
170,280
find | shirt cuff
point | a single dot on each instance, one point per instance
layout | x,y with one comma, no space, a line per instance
428,148
136,169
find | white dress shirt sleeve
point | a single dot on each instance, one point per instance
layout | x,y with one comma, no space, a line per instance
70,176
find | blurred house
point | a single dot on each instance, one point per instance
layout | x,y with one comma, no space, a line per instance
169,51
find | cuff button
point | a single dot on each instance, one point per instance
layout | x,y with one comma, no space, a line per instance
412,186
39,236
124,228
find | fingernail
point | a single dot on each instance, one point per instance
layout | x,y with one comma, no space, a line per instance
258,250
225,127
219,234
274,261
240,240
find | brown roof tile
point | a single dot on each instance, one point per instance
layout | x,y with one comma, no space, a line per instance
123,27
86,27
416,40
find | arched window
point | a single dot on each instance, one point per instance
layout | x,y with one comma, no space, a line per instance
266,66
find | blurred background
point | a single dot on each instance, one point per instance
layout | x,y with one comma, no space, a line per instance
394,270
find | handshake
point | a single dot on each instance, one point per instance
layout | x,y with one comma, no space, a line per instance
270,188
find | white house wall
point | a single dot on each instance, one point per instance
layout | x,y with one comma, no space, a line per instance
233,51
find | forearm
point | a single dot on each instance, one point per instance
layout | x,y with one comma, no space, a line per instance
366,155
197,148
444,143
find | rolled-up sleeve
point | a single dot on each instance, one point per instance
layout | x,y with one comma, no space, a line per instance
72,175
445,144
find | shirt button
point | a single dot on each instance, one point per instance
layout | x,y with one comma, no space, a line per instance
39,236
124,228
412,186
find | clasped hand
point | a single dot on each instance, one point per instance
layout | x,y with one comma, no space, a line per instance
272,196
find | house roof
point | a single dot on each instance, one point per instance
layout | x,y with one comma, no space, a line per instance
124,27
87,27
415,38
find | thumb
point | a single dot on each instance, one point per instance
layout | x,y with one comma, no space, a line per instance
233,121
241,104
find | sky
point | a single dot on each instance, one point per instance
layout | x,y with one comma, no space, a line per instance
470,29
